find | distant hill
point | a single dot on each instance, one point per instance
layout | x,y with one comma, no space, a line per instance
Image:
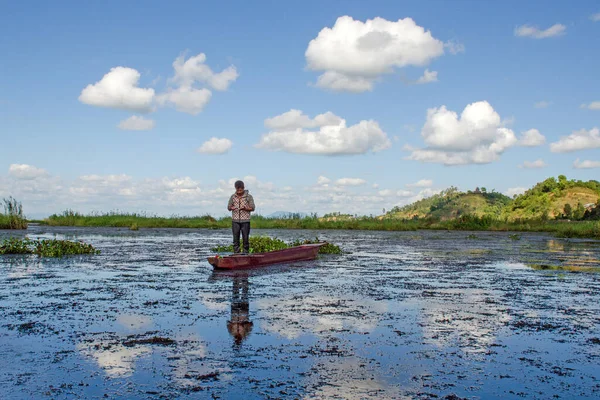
451,203
551,199
555,198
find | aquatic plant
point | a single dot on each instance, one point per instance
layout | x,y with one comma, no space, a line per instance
514,236
13,217
45,247
262,244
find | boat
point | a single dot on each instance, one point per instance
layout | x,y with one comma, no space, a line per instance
237,261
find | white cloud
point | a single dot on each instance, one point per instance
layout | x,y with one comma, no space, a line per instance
542,104
533,164
511,192
118,89
186,99
295,119
594,105
578,140
586,164
428,77
454,47
354,54
595,17
332,138
194,69
532,138
26,172
477,137
350,182
404,193
337,81
386,192
421,183
135,123
215,146
536,33
323,181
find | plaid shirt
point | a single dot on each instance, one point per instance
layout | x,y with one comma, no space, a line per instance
239,202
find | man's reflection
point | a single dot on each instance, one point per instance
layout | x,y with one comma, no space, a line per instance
240,325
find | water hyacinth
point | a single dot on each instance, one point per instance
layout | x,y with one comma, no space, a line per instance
45,247
263,244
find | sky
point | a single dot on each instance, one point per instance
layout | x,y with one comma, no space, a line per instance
336,106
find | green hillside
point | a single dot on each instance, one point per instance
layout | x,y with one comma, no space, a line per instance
551,199
555,199
451,204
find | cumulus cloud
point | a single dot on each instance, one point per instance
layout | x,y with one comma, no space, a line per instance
289,133
186,99
421,183
476,137
586,164
515,191
536,33
578,140
187,96
428,77
350,182
532,138
194,69
533,164
354,54
215,146
26,172
542,104
118,89
594,105
323,181
135,123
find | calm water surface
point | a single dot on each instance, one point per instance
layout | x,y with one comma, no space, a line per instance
417,315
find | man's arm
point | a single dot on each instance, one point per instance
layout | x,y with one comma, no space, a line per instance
251,206
230,204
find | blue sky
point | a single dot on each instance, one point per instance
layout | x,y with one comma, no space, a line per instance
521,66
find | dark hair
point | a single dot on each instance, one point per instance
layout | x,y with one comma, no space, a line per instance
239,185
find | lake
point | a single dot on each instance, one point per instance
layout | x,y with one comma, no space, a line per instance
425,314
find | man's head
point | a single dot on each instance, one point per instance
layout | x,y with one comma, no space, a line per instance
239,187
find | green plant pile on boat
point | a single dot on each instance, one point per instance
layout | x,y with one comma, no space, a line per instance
45,247
263,244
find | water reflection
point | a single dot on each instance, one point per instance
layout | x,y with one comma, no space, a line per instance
239,325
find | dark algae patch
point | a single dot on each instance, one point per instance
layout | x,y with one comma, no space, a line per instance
397,315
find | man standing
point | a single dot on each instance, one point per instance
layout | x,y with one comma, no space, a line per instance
241,204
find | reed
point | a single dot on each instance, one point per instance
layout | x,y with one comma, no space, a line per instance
13,217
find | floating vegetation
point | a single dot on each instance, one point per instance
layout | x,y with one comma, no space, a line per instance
514,236
472,236
569,268
263,244
134,227
45,247
13,217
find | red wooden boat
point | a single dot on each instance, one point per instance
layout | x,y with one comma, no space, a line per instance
296,253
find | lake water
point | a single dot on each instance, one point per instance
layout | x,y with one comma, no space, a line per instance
400,315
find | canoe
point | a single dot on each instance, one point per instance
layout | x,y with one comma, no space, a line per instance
296,253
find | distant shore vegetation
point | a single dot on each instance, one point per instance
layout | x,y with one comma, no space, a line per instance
566,208
13,217
562,228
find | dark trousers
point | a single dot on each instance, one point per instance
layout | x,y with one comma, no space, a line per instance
244,228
